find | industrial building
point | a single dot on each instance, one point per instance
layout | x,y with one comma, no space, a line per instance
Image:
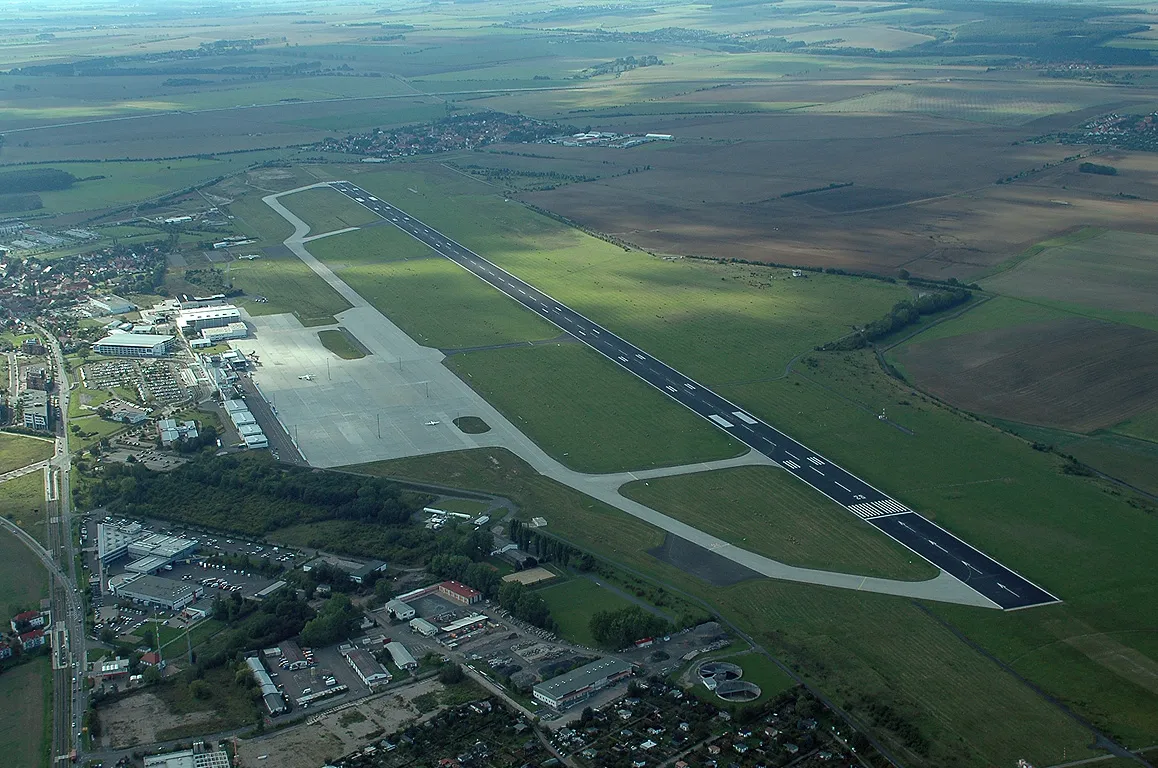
274,702
423,627
400,656
565,690
134,345
167,594
370,671
34,407
216,335
114,540
111,305
198,757
400,610
171,430
192,321
357,570
459,593
472,622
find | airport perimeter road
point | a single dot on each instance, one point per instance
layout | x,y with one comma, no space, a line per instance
986,576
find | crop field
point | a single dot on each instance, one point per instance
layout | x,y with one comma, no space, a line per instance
435,301
18,451
673,309
22,502
587,412
23,576
998,104
1074,374
23,728
574,602
1112,270
1144,426
773,514
327,211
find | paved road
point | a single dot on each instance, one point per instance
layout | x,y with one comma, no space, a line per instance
978,571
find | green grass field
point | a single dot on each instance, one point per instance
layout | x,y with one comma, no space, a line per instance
340,344
22,502
253,217
327,210
673,309
435,301
574,602
23,580
289,286
18,451
23,728
1143,427
772,513
586,412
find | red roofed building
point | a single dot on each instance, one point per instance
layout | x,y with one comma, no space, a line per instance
459,593
33,639
22,622
152,658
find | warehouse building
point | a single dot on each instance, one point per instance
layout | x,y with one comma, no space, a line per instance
134,345
401,657
167,594
225,333
198,757
193,321
565,690
459,593
270,695
400,610
468,624
111,305
423,627
370,671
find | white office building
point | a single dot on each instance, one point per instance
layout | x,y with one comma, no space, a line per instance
134,345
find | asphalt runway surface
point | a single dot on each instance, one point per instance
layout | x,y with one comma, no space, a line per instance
977,570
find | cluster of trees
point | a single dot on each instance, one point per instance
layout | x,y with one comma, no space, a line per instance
902,314
35,180
618,629
810,190
525,605
28,201
620,65
1102,170
334,623
252,625
250,493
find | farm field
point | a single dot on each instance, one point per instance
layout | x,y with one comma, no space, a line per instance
773,514
1074,374
674,310
435,301
844,642
23,728
327,211
18,451
586,412
1112,270
22,502
22,575
574,602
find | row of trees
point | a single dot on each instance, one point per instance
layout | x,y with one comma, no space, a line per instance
902,314
550,549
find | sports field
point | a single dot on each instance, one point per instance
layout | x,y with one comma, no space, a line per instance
18,451
23,728
574,602
587,412
766,510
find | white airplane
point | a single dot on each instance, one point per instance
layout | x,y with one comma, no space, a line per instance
433,423
307,377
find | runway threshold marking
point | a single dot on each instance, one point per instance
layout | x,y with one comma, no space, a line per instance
721,421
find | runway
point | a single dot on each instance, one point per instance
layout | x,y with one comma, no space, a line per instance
997,583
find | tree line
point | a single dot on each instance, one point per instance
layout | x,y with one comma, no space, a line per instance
902,314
